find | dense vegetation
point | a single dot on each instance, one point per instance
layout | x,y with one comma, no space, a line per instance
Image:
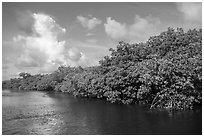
165,72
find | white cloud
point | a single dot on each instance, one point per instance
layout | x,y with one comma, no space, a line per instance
78,58
42,45
191,11
45,25
88,22
140,30
74,54
43,50
115,29
18,38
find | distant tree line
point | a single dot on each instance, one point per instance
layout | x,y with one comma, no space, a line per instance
164,72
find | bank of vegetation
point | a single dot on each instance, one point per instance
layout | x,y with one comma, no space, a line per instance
164,72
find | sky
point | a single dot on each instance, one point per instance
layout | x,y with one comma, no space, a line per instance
40,37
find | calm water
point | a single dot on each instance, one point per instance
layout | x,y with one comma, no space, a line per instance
58,113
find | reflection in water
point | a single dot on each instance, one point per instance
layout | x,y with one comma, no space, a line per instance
58,113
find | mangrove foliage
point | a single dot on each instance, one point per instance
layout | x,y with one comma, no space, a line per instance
164,72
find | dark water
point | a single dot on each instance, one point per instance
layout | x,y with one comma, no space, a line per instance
58,113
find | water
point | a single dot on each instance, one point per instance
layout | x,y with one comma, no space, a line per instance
58,113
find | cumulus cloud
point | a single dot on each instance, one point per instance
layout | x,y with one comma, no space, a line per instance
88,22
139,31
115,29
192,12
42,48
74,54
42,45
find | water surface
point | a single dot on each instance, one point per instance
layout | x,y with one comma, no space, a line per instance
37,112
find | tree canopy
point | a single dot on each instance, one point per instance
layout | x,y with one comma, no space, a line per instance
164,72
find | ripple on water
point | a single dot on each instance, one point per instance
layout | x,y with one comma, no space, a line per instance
42,113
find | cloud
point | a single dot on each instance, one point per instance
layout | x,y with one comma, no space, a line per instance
78,58
45,25
91,52
191,11
74,54
42,45
31,59
115,29
18,38
139,31
88,22
89,34
42,48
143,28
